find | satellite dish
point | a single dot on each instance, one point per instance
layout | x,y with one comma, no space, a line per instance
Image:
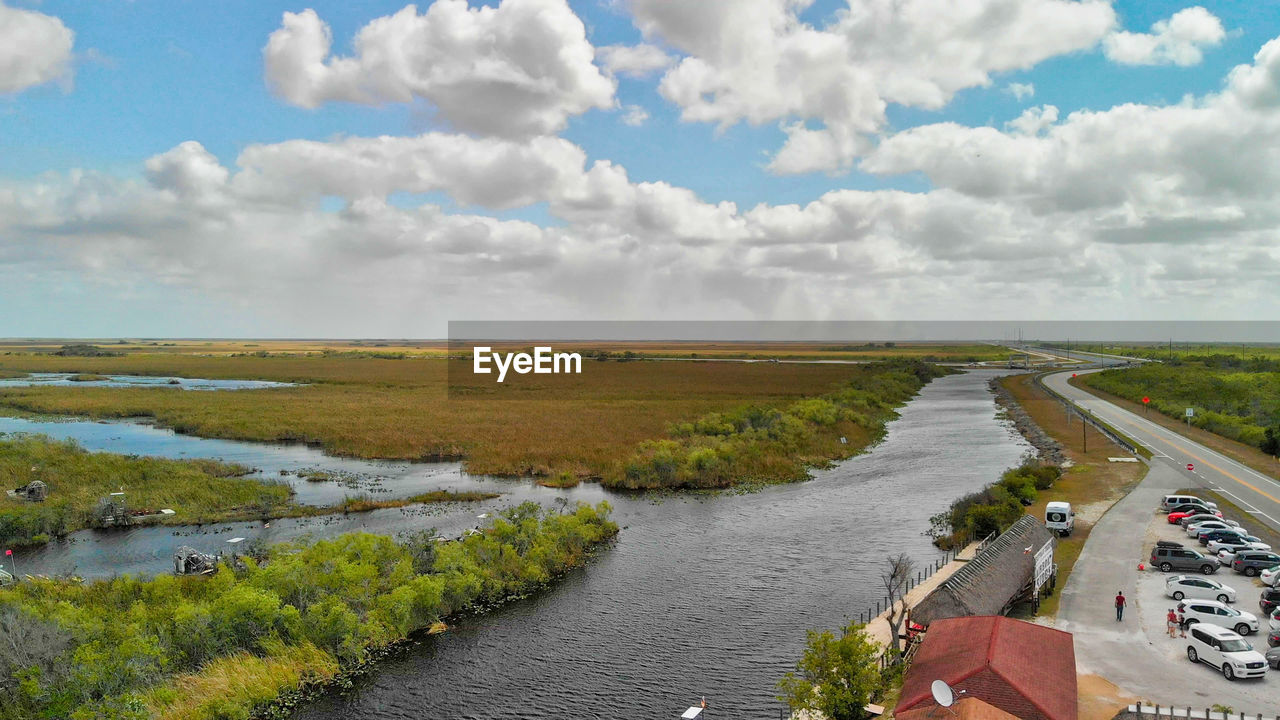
942,693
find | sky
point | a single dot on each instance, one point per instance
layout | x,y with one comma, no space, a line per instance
374,169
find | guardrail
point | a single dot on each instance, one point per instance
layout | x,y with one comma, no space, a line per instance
1169,711
1106,430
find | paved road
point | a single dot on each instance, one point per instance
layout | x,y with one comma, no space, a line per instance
1253,491
1135,654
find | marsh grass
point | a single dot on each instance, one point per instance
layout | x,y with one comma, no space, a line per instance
197,490
230,644
402,409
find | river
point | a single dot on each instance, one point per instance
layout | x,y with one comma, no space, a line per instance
703,595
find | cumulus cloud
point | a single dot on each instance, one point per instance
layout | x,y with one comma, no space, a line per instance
34,49
1201,171
1021,91
635,116
519,69
634,60
755,61
1180,40
1146,210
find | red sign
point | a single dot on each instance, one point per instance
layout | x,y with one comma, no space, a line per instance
8,553
1191,467
1146,400
1073,374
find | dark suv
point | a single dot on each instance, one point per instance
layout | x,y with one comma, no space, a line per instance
1171,556
1252,562
1269,601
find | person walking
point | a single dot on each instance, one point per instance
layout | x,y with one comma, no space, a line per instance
1171,620
1120,603
1182,620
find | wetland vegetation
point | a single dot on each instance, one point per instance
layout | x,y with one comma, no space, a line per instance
198,491
230,644
624,423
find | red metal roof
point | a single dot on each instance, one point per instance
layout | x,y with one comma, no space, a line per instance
1025,669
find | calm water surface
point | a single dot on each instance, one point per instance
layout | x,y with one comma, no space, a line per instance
177,383
701,596
704,596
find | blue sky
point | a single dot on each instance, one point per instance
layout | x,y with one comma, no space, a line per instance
152,73
149,75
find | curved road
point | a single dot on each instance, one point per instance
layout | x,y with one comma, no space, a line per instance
1254,492
1136,654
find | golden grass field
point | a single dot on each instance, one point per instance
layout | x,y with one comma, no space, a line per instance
402,409
943,352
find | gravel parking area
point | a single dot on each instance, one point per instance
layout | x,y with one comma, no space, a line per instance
1152,605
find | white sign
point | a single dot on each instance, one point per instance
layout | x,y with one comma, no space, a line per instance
1191,412
1044,564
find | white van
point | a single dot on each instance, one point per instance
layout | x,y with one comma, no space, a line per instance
1060,518
1168,502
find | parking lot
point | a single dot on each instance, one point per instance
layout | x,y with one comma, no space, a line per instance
1152,605
1138,655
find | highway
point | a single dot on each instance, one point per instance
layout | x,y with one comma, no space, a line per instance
1254,492
1136,654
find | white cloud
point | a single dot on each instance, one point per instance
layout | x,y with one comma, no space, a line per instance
34,49
1176,41
522,68
755,61
1021,91
634,60
635,116
1134,211
1034,120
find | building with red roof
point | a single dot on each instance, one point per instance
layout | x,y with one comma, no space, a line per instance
1024,669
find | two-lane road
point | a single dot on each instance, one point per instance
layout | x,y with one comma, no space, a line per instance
1254,492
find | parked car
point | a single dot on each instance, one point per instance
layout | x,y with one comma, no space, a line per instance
1194,529
1236,543
1270,576
1273,658
1213,612
1179,587
1252,562
1204,535
1273,638
1171,501
1269,601
1184,511
1060,518
1187,522
1169,559
1231,654
1274,620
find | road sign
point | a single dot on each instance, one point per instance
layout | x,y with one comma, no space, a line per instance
1073,374
1191,412
1191,467
1145,400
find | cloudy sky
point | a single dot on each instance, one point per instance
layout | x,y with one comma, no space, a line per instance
374,169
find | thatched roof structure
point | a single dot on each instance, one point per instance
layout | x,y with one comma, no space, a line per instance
990,582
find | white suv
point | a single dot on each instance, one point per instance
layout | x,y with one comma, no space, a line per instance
1212,612
1180,587
1225,650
